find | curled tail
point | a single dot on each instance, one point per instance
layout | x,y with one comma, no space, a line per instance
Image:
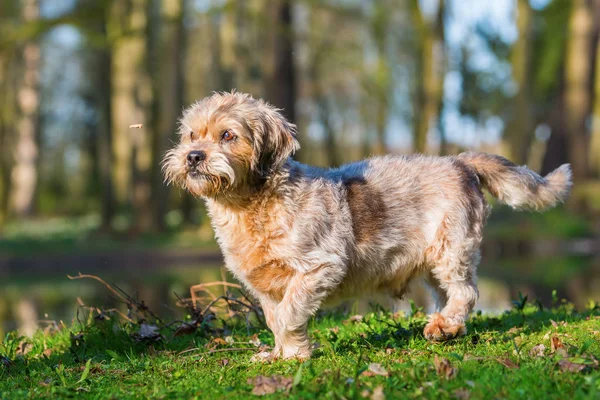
518,186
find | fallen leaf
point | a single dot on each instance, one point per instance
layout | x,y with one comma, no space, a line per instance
554,324
23,348
219,341
255,341
514,330
229,340
378,393
462,394
45,382
334,330
537,350
375,369
270,384
185,329
353,319
148,332
567,366
507,362
224,362
48,352
443,367
136,126
557,347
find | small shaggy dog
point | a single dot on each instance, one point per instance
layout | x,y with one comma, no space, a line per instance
299,237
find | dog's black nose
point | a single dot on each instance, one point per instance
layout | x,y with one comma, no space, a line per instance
195,157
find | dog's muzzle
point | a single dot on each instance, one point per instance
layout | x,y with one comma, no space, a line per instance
194,158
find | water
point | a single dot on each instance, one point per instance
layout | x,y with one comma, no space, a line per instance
35,293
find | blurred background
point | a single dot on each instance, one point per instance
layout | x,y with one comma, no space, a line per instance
81,191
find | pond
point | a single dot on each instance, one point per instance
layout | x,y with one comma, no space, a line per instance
37,292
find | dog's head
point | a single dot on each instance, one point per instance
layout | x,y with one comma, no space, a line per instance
228,141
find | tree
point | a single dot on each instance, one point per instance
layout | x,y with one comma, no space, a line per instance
430,72
172,98
24,176
520,127
578,75
279,66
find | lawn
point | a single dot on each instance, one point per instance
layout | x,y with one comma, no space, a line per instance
527,352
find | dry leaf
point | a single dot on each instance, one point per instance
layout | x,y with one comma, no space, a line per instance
507,362
23,348
462,394
270,384
537,350
378,393
185,329
554,324
229,340
136,126
45,382
375,369
224,362
219,341
443,367
568,366
557,346
354,319
148,332
255,341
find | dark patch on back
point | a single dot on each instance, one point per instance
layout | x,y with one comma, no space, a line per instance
474,198
367,208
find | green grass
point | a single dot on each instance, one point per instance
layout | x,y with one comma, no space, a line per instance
494,360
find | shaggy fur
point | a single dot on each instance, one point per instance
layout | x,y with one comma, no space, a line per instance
299,236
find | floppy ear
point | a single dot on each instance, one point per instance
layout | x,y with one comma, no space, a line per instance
274,140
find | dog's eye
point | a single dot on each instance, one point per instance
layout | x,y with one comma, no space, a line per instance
227,136
192,135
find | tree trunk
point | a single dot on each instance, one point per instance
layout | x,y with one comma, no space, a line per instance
577,80
131,101
556,149
594,148
102,99
24,173
431,67
519,132
172,100
280,70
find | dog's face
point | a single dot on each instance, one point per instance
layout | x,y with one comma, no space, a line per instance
228,142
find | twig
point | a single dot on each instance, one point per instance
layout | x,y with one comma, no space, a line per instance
82,276
216,350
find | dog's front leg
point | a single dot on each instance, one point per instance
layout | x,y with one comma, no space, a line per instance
303,296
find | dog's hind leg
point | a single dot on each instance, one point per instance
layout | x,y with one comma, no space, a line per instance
439,295
455,277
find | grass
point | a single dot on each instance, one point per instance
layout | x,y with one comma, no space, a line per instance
380,355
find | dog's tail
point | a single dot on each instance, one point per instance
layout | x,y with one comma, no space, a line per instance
518,186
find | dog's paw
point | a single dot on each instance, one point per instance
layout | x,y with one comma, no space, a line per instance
439,329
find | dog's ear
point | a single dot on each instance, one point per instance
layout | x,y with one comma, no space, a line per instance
275,139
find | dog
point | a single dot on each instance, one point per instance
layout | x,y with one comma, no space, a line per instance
299,237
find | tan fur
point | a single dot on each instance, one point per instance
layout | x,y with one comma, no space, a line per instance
299,237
